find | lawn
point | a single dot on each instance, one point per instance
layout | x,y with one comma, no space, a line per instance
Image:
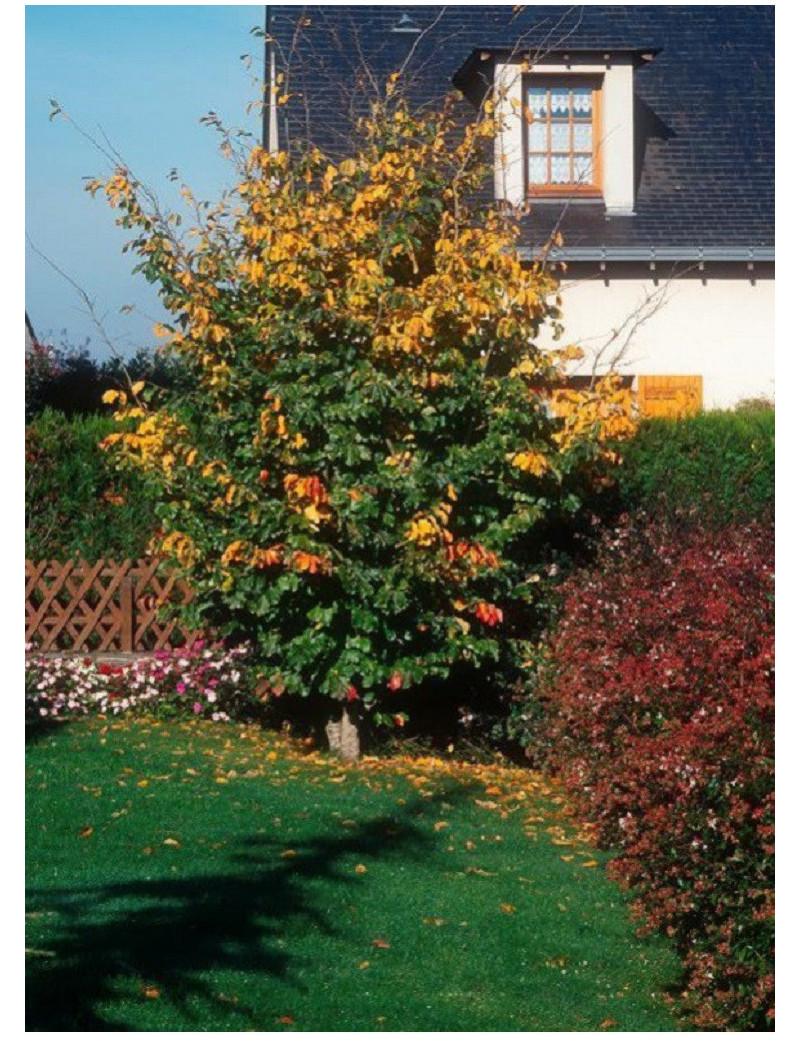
199,876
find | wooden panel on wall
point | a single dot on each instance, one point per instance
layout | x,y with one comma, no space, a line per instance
669,396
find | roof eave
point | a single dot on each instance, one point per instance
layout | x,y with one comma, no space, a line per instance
640,56
693,254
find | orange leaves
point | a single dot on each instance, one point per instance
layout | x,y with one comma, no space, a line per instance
262,559
381,944
488,614
471,554
309,563
308,495
256,557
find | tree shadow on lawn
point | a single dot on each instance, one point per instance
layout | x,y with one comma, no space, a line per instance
167,934
38,728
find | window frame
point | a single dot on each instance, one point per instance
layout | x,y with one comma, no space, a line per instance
566,80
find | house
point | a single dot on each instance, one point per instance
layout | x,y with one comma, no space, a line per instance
644,135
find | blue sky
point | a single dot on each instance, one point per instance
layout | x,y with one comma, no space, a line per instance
140,76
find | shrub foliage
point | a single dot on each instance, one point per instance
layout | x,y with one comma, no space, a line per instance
714,468
359,478
75,502
659,713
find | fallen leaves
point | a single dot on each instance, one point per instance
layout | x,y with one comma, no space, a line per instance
86,832
508,908
151,992
360,868
381,944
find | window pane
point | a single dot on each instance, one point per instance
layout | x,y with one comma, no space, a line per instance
559,137
584,169
582,141
559,102
537,136
537,102
560,169
582,101
538,169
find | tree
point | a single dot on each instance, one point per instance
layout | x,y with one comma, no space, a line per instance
361,475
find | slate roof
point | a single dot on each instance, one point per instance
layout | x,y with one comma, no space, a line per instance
704,106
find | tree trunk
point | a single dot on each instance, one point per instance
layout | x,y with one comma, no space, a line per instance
343,738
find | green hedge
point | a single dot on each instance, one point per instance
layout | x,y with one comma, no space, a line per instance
75,503
718,467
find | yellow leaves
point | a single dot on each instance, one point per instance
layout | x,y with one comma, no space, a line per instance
423,532
533,462
601,413
441,825
236,552
114,396
181,546
399,460
288,853
427,529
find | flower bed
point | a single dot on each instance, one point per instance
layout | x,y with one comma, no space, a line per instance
200,680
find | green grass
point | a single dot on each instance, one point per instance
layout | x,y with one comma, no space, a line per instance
200,877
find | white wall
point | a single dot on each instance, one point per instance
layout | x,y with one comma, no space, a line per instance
719,324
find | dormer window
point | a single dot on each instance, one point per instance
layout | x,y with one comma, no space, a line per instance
565,125
562,129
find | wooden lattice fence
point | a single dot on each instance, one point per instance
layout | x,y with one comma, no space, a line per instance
103,607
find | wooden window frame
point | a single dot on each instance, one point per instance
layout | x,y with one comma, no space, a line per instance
567,80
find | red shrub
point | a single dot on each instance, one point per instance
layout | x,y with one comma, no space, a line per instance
659,713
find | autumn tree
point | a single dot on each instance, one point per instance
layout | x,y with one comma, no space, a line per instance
359,478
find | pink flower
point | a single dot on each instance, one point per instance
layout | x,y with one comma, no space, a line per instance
197,708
